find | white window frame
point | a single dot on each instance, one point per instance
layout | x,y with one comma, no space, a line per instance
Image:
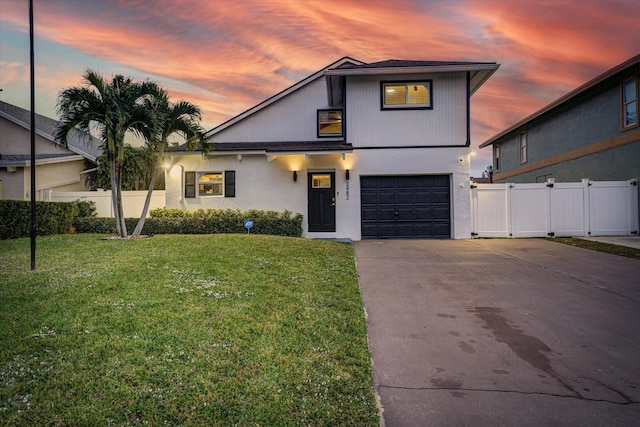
524,150
624,103
221,184
496,157
407,105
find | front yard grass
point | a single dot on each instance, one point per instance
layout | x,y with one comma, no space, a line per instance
183,330
599,246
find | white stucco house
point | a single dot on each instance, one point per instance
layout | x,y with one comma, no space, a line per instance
378,150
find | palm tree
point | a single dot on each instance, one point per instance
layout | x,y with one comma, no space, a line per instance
114,108
180,118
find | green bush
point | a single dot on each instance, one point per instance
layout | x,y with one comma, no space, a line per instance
51,217
209,221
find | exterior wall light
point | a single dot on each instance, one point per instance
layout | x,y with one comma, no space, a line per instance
346,175
295,176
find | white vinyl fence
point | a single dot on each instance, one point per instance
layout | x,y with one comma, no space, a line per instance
560,209
132,201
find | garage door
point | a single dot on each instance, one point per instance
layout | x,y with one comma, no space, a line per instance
405,207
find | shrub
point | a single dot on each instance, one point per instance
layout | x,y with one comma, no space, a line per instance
201,221
51,218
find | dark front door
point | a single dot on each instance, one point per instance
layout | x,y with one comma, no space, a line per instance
322,201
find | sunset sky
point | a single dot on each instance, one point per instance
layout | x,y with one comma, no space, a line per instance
226,56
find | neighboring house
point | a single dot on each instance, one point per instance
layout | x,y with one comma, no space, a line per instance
376,150
592,132
57,168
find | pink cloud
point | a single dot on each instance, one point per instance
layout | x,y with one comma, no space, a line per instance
227,56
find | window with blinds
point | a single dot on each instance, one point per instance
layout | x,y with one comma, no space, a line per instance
209,184
406,95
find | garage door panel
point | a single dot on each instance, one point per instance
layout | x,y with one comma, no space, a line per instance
405,198
405,230
369,198
387,230
424,214
424,229
369,214
440,197
441,230
405,206
370,229
386,214
422,196
405,214
386,198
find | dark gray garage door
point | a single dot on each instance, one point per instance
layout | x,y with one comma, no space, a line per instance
405,207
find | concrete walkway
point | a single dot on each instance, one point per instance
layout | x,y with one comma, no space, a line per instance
628,241
516,332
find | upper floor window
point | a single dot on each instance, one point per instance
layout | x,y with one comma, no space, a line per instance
523,146
496,157
630,102
330,123
406,95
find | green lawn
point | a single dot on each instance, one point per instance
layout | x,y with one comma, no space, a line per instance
182,330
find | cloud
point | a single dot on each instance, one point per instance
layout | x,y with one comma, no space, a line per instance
227,56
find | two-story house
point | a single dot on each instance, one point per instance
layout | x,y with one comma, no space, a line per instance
377,150
591,132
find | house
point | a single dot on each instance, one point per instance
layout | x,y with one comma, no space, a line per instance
378,150
57,168
591,132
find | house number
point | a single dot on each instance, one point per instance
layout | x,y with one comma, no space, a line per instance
347,195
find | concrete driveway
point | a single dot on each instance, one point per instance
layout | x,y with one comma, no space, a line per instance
515,332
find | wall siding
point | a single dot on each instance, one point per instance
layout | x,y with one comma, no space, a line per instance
292,118
445,124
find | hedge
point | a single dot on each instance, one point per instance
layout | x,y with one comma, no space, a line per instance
51,217
202,221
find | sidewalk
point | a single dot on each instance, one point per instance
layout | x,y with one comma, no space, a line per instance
628,241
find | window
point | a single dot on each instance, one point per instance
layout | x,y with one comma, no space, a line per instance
523,146
496,156
630,102
406,95
209,184
321,181
330,123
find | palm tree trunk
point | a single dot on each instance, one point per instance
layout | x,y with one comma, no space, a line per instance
114,199
145,209
123,224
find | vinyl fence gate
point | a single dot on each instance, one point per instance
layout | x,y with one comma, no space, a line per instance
560,209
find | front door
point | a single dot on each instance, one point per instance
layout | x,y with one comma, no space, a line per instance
322,201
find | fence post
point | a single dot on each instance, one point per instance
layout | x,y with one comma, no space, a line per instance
550,231
508,187
587,207
633,203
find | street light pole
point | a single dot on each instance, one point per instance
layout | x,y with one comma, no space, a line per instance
33,142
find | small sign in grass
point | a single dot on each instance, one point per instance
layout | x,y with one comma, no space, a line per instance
183,330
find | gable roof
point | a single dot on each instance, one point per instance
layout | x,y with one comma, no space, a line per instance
479,71
78,142
339,63
566,98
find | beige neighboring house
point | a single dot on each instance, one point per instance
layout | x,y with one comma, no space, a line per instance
57,168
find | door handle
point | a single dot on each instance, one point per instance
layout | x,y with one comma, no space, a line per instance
333,201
